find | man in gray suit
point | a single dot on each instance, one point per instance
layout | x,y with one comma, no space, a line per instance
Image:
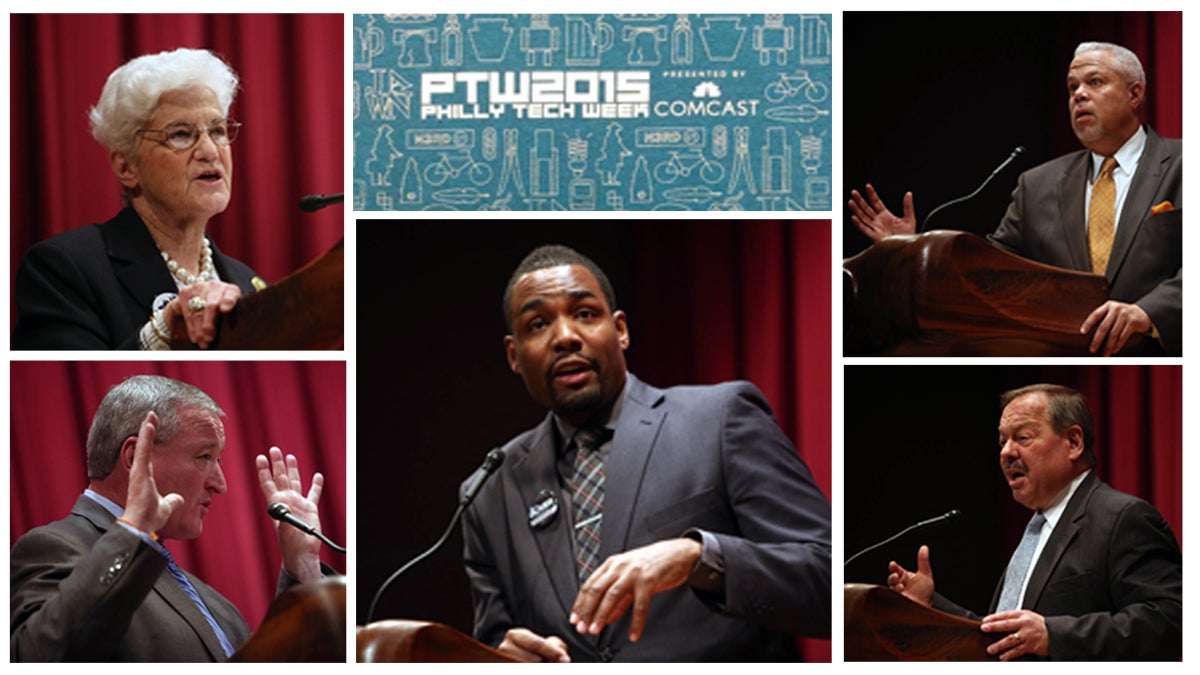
100,585
637,523
1135,242
1098,575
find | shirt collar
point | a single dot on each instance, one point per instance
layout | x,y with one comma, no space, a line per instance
109,505
1057,505
567,430
1127,156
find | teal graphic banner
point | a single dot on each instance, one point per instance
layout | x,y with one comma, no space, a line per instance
592,112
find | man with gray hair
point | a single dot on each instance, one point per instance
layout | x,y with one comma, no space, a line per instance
1113,209
100,585
1098,574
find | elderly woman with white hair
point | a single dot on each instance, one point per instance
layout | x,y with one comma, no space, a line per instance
149,276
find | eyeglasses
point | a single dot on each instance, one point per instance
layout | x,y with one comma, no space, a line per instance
184,135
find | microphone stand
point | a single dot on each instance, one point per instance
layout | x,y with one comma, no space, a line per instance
1015,153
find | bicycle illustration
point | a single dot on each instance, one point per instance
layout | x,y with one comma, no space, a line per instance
788,86
683,163
452,164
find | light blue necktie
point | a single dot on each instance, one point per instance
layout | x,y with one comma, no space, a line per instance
1018,567
191,591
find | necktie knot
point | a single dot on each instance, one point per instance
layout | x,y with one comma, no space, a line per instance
590,439
1107,167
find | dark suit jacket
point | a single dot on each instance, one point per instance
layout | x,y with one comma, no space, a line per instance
93,287
85,589
710,458
1045,222
1109,581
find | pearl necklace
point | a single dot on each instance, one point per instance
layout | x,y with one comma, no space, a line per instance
207,271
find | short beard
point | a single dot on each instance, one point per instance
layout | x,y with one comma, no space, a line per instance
587,400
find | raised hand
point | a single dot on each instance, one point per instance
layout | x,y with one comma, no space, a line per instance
916,586
279,479
145,509
874,219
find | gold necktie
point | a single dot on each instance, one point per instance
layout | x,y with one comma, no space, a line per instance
1102,216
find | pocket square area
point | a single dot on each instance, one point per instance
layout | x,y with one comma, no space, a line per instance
1162,207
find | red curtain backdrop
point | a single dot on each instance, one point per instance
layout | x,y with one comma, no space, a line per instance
1139,431
1157,37
298,406
753,300
290,102
756,306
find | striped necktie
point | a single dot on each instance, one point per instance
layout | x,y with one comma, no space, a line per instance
587,499
195,596
1102,216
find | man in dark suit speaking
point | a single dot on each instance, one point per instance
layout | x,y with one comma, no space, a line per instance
1098,573
637,523
1114,209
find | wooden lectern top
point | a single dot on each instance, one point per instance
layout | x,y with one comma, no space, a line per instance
883,625
403,641
305,624
947,293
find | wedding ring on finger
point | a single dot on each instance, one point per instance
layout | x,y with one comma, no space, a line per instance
197,304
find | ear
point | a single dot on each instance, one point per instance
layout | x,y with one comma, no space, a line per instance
1137,95
125,169
1074,438
510,350
126,456
622,329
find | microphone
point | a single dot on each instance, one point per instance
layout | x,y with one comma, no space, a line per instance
949,516
310,203
282,514
1015,153
490,463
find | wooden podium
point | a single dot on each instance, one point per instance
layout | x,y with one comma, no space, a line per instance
306,624
402,641
882,625
305,310
946,293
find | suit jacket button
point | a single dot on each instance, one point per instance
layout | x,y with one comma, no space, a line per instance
607,655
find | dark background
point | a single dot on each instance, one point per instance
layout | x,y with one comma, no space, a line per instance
921,440
706,301
934,102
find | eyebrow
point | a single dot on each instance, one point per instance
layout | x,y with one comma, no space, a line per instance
574,294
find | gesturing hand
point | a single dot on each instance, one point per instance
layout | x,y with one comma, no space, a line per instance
916,586
279,480
874,219
1026,630
145,509
632,578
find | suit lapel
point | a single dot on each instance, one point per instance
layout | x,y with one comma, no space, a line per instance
641,419
1064,533
535,471
166,587
141,270
173,594
1137,204
1071,188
